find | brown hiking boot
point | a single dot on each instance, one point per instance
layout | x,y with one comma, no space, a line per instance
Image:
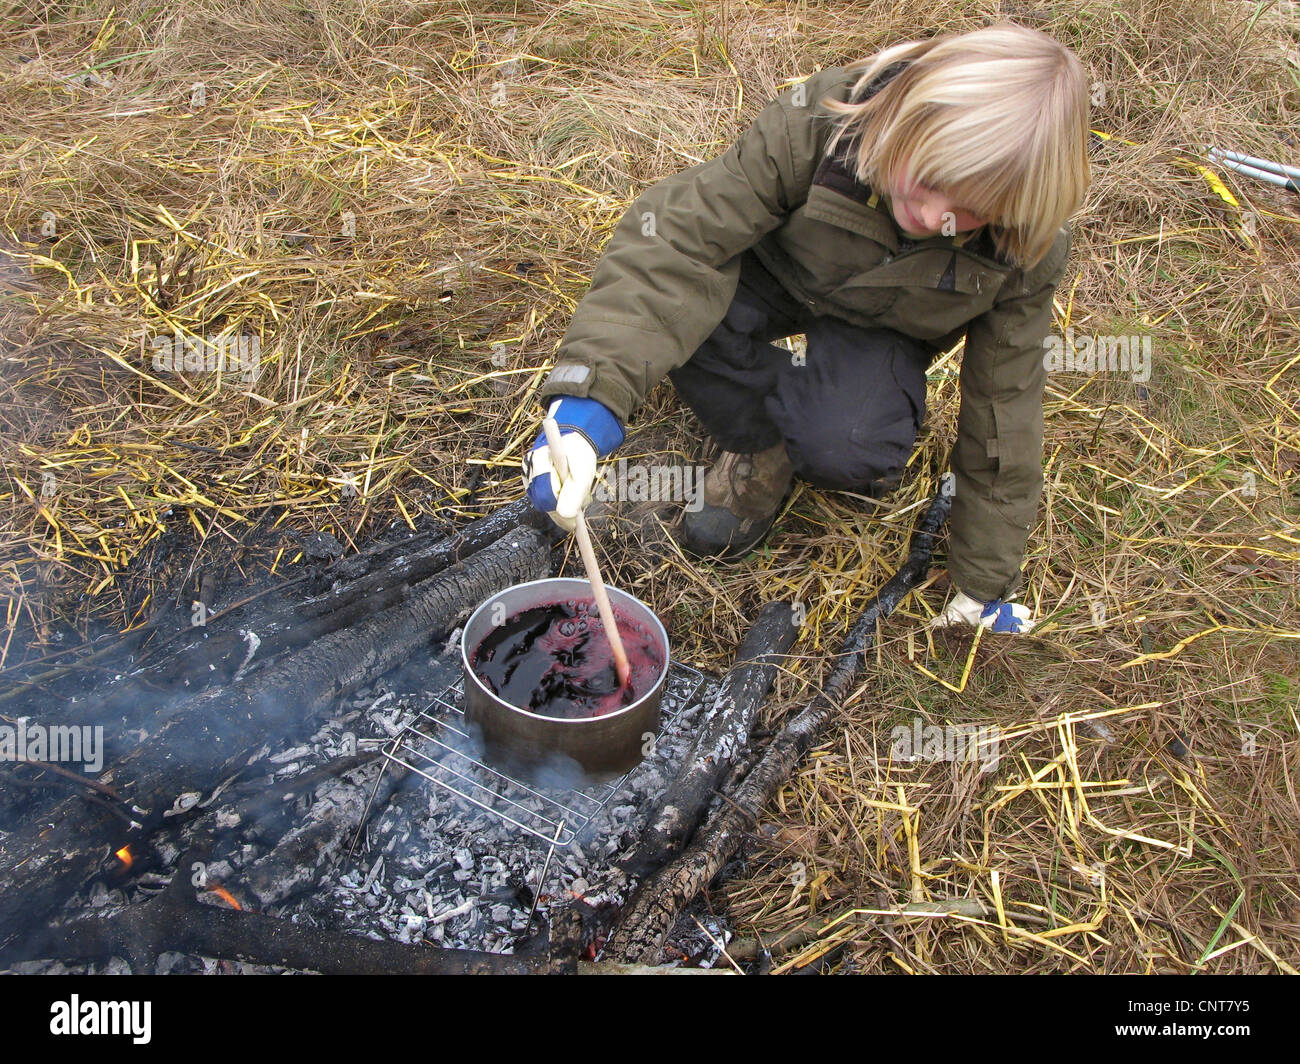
741,497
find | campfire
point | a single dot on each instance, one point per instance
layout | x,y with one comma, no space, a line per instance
312,813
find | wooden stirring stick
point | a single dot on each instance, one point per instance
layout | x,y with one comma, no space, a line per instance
561,466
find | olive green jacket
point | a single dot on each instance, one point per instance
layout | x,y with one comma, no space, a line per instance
671,268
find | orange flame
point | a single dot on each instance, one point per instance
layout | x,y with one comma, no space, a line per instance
226,896
124,855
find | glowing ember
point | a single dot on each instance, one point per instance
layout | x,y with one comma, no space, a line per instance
124,855
226,896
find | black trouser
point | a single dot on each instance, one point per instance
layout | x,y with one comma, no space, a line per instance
849,414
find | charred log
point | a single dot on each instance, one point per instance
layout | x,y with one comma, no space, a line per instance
295,863
266,802
614,968
176,921
724,734
270,810
213,735
650,914
107,647
212,654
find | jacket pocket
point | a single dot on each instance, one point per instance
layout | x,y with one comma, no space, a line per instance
976,448
1016,453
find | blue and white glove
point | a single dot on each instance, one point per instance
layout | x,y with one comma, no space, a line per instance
589,431
1009,617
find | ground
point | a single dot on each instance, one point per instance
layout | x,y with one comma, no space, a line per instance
396,206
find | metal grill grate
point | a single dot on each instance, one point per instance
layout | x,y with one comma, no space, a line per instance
434,742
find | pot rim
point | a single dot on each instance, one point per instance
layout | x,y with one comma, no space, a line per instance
657,630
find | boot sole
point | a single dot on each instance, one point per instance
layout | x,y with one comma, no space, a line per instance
729,551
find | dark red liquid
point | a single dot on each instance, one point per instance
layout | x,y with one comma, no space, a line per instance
555,660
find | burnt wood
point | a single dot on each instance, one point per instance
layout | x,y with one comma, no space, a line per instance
176,921
195,659
267,807
211,654
297,861
213,735
649,916
724,734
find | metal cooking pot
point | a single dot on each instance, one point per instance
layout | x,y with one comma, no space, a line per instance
605,746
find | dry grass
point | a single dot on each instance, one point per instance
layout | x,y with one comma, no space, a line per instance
383,193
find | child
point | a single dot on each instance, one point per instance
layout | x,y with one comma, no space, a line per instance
885,209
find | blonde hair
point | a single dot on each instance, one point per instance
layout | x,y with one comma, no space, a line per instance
996,118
